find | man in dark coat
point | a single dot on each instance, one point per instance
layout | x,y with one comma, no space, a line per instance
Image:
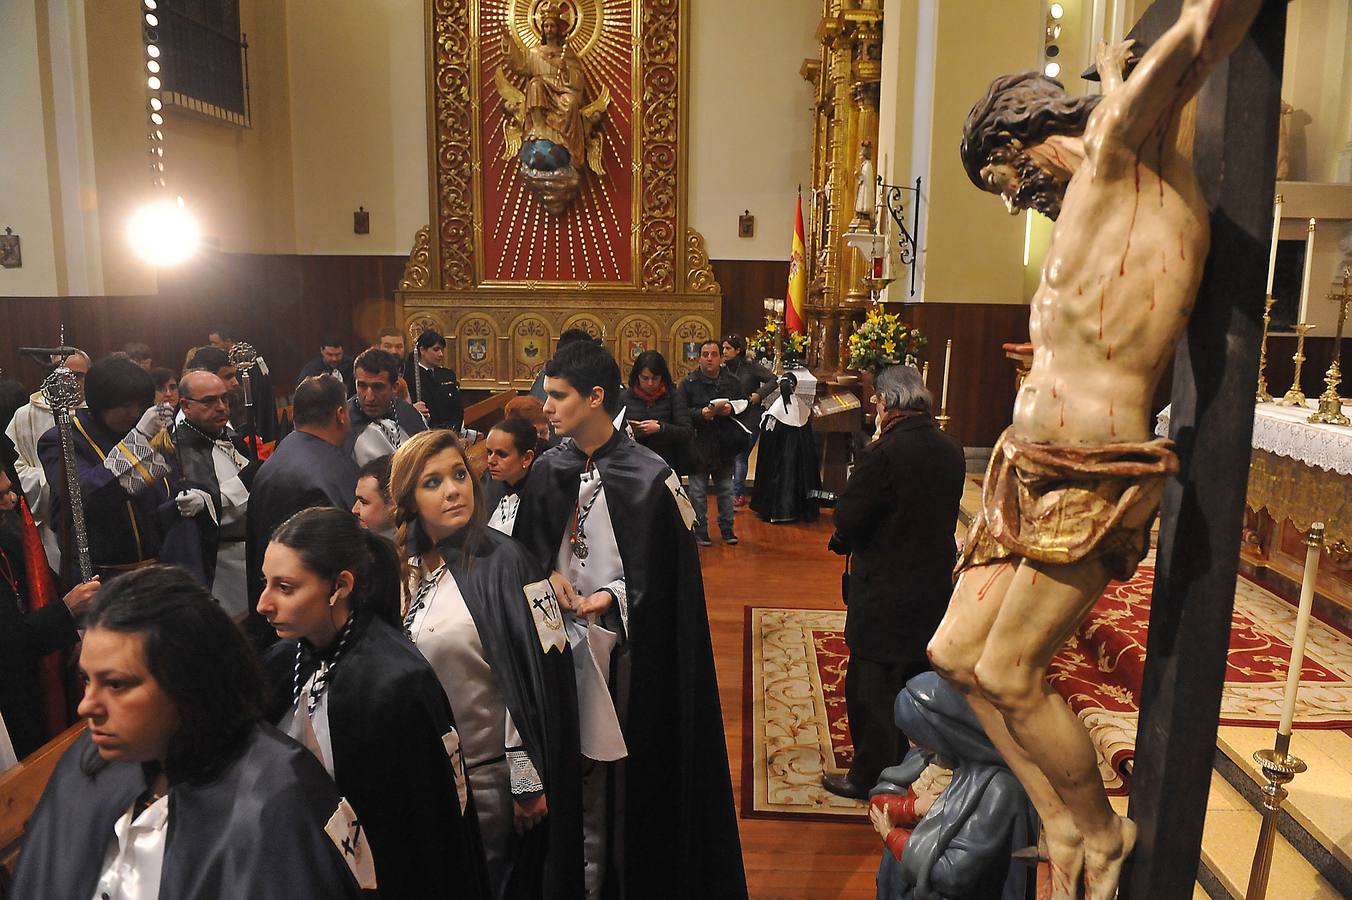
124,477
714,397
214,488
609,519
331,362
307,469
380,420
896,518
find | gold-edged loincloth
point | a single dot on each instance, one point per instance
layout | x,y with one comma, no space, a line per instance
1063,503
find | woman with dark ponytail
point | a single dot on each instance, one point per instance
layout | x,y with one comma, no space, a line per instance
347,684
512,445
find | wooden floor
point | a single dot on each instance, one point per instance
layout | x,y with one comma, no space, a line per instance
784,566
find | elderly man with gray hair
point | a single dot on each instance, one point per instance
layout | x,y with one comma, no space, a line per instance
896,519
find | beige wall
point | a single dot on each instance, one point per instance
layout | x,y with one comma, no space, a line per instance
750,135
973,249
1317,81
25,203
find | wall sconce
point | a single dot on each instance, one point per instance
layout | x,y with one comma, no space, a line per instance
361,221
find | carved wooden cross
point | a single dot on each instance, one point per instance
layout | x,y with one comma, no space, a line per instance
1235,158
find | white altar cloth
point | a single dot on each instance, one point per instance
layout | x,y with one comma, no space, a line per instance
1283,430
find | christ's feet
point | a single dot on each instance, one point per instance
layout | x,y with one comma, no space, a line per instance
1067,863
1103,862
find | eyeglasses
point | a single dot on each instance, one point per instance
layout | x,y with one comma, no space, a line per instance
213,400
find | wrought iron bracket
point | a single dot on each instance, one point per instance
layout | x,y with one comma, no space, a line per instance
906,238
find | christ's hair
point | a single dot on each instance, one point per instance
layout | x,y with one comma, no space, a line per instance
1027,107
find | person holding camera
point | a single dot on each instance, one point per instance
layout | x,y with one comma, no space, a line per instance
714,397
896,519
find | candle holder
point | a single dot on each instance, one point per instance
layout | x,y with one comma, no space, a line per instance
1279,768
1330,410
942,421
1262,395
1295,396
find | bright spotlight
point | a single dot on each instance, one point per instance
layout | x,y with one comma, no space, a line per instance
1057,10
156,104
164,233
152,51
152,20
1051,70
153,82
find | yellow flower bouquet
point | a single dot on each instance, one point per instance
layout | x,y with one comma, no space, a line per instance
882,339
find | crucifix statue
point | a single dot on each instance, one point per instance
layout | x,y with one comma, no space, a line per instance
1075,483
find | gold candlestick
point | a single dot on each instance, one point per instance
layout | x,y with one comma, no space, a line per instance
1295,396
1330,410
1262,395
1279,767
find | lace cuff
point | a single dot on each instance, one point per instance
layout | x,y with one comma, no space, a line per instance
621,595
135,464
525,780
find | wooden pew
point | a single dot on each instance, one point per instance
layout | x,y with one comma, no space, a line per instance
21,788
482,416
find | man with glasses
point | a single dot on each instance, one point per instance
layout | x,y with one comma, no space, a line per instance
214,488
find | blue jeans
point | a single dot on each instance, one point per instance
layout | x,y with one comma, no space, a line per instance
699,494
739,465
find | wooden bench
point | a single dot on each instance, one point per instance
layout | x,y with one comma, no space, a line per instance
21,788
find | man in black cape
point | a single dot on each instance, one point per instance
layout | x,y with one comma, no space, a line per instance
208,448
381,422
672,823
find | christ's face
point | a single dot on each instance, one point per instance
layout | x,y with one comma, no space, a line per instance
549,30
1023,184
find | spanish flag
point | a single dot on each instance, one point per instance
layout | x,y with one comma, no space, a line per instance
795,305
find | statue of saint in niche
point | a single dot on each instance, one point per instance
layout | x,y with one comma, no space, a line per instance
550,127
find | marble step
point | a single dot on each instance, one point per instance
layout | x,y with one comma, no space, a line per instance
1315,818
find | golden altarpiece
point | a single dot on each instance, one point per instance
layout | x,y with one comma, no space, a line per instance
846,79
558,141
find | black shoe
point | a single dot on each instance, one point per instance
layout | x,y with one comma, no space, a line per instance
702,538
728,536
842,786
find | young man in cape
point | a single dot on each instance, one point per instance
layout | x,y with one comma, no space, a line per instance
608,518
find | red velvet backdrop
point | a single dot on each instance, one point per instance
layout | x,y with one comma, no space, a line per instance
592,240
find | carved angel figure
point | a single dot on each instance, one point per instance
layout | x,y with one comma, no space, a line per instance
550,126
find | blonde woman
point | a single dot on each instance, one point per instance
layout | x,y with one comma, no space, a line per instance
491,628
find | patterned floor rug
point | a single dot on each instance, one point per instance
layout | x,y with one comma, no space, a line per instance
795,728
1099,671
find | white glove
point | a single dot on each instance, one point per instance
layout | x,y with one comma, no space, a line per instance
151,422
469,436
191,502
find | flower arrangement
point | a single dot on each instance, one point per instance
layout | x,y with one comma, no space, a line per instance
882,339
762,343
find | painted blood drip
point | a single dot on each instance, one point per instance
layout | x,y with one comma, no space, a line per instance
1112,423
1110,351
1063,414
1154,289
1102,293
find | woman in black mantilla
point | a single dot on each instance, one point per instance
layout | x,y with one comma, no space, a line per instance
347,685
494,635
179,789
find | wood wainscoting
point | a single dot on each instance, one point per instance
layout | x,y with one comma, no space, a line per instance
282,305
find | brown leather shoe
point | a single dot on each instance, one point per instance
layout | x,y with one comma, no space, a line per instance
842,786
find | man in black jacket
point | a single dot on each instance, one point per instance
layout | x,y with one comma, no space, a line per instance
332,362
714,396
896,517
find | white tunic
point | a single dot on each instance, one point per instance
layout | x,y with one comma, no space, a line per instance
601,737
504,514
135,855
230,585
29,424
312,731
378,438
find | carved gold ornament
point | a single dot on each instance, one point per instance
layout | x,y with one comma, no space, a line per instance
416,275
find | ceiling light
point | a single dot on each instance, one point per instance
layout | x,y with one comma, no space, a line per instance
1051,70
1057,11
153,82
164,233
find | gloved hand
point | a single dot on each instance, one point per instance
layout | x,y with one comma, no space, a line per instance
151,422
191,502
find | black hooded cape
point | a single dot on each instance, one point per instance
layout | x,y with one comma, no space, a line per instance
539,691
662,676
254,830
387,715
402,412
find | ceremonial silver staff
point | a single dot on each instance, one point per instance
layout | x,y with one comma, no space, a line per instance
244,357
417,382
61,390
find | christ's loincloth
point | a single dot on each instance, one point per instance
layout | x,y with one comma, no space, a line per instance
1064,503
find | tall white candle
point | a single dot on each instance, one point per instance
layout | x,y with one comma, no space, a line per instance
1272,251
1305,279
1314,541
948,356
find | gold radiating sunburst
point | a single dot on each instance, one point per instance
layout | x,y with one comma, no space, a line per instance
591,241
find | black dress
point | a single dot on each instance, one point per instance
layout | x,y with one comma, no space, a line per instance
788,478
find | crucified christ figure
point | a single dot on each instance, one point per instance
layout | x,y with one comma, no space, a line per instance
1075,483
